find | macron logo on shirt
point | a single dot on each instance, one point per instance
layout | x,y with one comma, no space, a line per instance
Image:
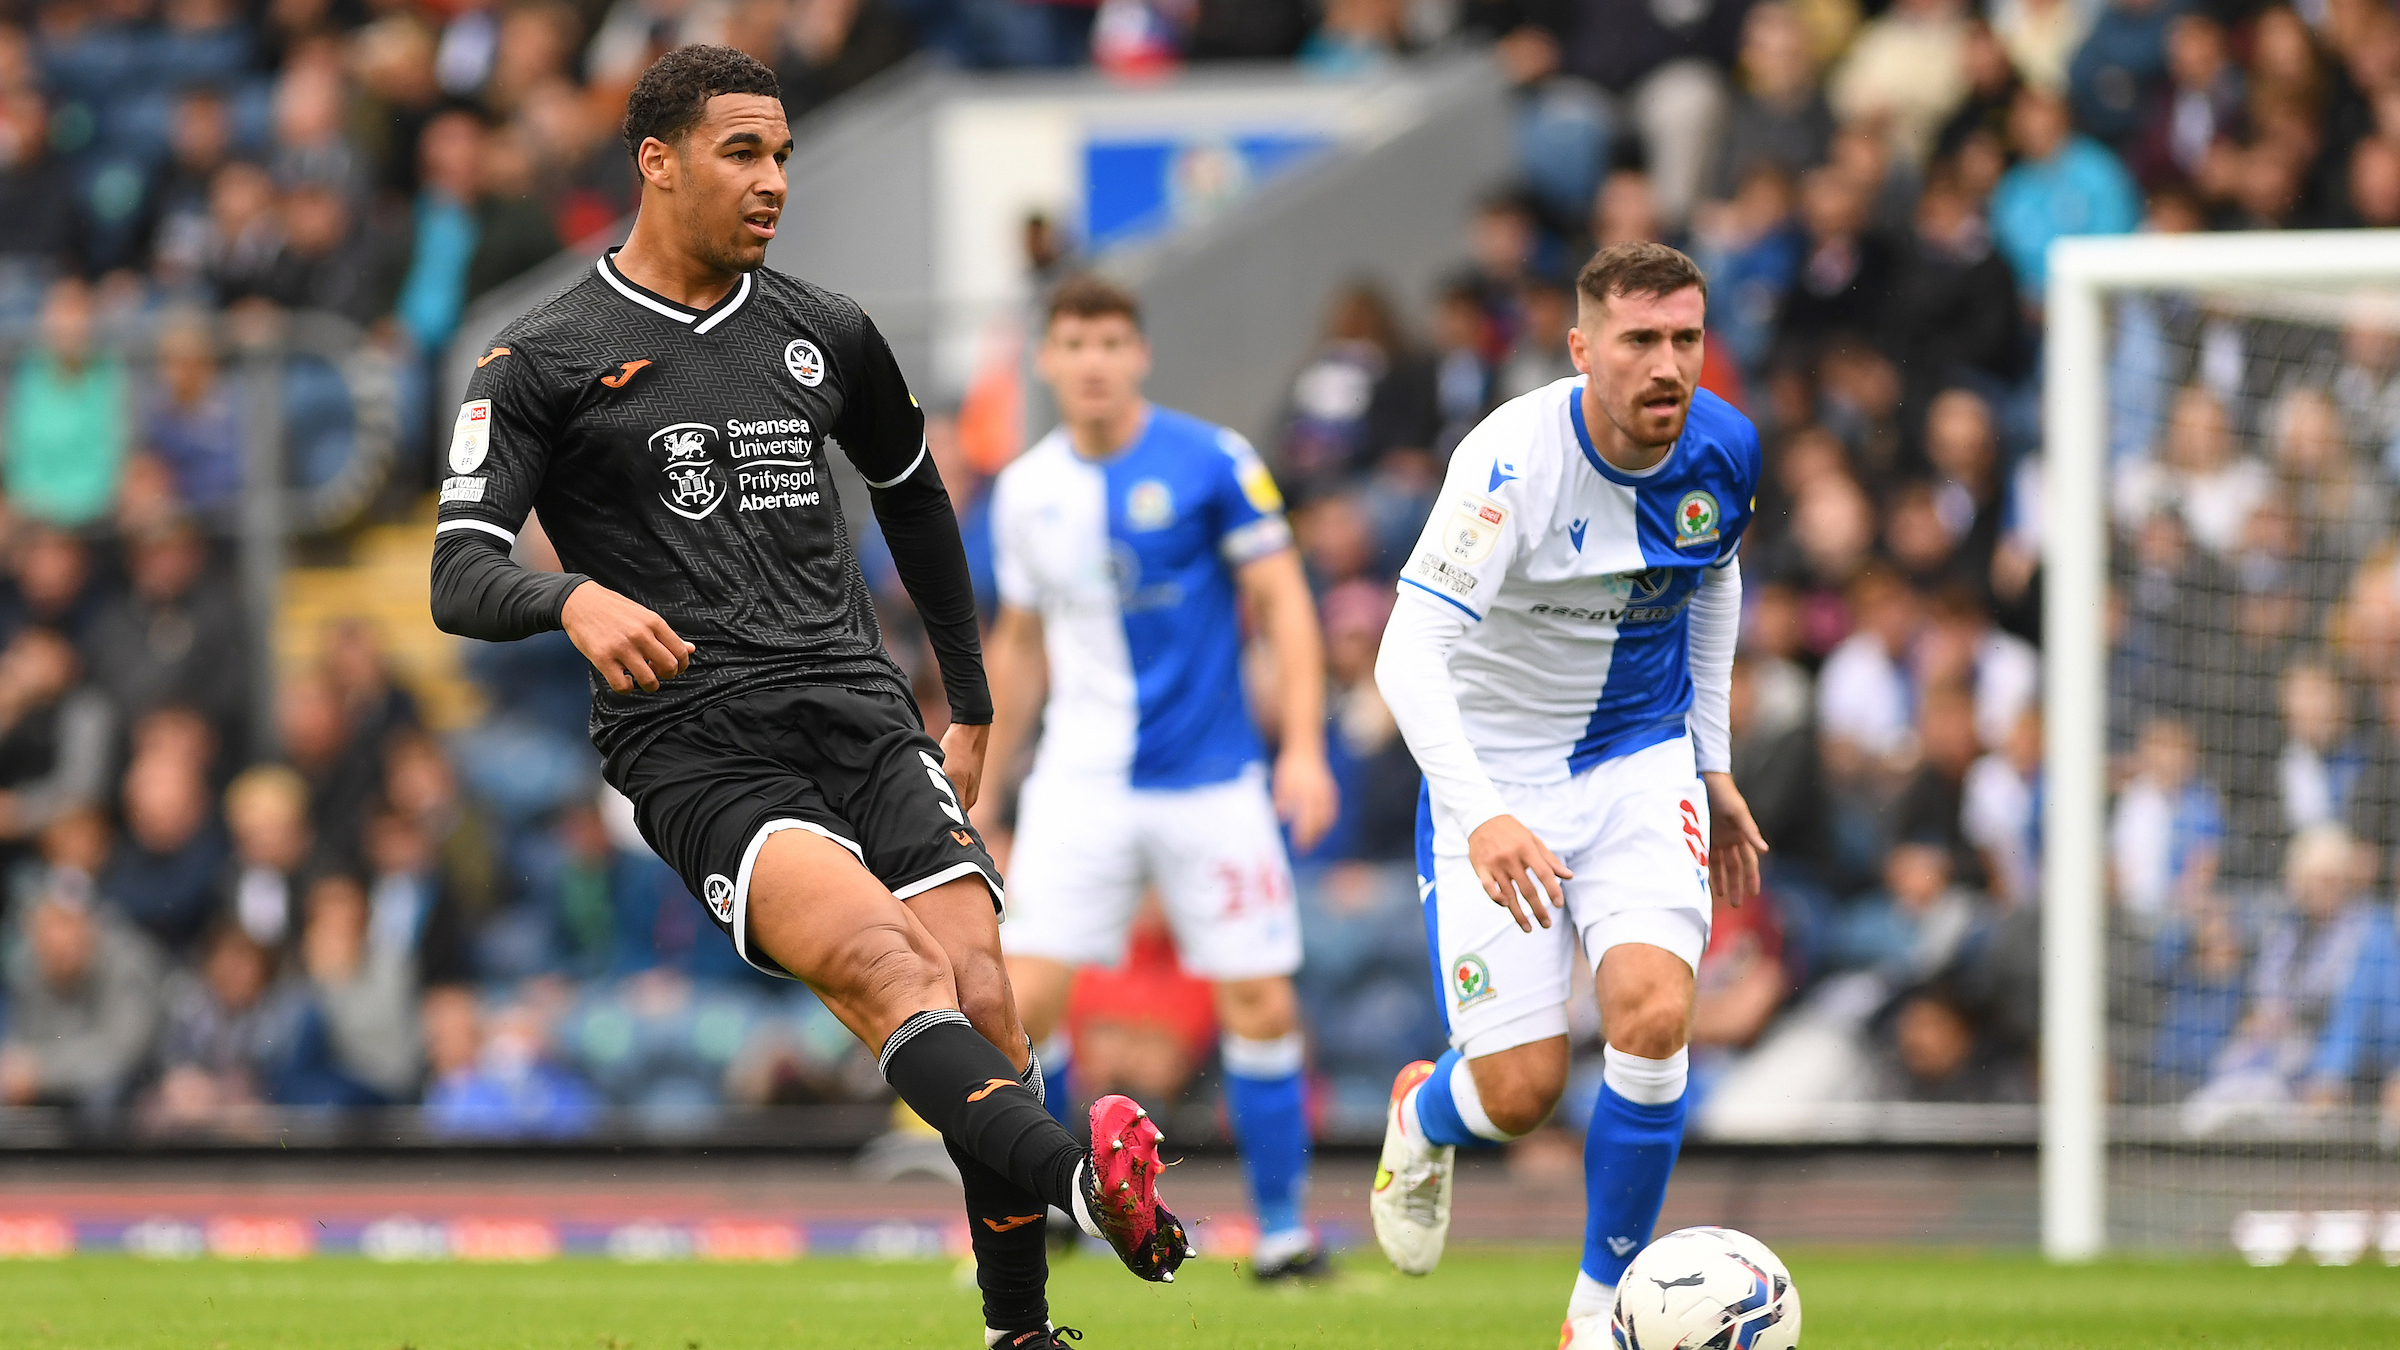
1501,473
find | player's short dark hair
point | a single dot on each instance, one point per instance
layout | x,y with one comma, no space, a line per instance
1088,296
1638,267
672,95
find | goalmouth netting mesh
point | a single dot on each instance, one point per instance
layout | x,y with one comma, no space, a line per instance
2231,441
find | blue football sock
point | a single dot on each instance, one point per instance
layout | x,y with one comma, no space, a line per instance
1266,1096
1437,1105
1627,1155
1058,1058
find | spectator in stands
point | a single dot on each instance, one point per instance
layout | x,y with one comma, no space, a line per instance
1954,310
1944,1051
174,635
2318,770
2374,183
39,223
235,1038
57,736
433,292
329,263
1750,247
2339,497
1370,762
2064,183
1539,355
1865,691
66,418
83,1007
1774,747
2041,36
192,422
1905,70
266,809
420,784
833,46
398,93
53,586
1998,813
2367,386
2120,67
1778,118
512,227
1931,806
167,870
1356,37
245,233
2195,473
1626,209
2200,972
2327,932
1741,984
500,1083
309,146
1962,645
1600,73
1462,367
2167,829
1846,269
341,767
176,200
1358,395
366,988
2201,104
1914,927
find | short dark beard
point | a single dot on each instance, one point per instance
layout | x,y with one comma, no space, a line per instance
1632,439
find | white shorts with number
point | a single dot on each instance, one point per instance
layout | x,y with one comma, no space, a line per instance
1085,850
1633,830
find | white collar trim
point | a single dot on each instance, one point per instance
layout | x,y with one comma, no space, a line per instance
725,309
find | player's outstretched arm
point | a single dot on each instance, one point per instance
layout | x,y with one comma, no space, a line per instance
626,642
1277,593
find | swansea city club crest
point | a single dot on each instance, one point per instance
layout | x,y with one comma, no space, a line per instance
687,455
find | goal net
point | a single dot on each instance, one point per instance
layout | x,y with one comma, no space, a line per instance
2221,999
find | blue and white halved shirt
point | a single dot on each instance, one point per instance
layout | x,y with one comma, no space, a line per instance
1580,575
1130,562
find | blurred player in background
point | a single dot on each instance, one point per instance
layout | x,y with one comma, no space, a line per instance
1126,541
1560,662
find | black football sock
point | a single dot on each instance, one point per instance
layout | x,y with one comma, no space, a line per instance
1008,1226
961,1085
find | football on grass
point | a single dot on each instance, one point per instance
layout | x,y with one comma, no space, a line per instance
1706,1289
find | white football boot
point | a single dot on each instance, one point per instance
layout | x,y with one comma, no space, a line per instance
1411,1204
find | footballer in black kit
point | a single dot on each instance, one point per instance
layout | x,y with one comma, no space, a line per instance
678,456
669,417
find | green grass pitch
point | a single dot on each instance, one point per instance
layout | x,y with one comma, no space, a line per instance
1480,1298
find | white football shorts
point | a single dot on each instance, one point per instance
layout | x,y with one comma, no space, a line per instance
1085,849
1633,830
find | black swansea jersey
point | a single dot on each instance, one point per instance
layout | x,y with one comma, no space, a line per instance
677,457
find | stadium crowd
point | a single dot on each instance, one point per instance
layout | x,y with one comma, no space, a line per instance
380,914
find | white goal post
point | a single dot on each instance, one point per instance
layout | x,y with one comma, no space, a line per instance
2083,274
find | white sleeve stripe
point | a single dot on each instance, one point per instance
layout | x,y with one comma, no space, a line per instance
1260,538
449,525
922,451
1412,581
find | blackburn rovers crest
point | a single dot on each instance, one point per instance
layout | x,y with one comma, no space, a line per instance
687,455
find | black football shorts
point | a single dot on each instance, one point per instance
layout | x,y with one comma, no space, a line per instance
854,767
